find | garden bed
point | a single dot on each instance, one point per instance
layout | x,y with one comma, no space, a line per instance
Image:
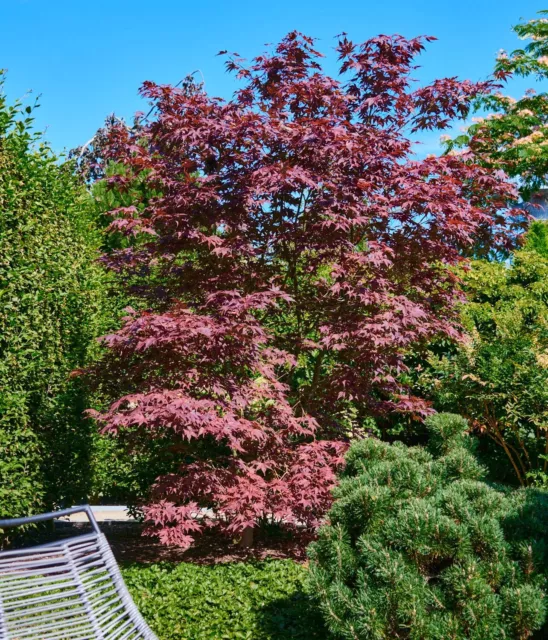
129,546
215,590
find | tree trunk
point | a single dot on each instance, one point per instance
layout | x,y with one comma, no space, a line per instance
246,540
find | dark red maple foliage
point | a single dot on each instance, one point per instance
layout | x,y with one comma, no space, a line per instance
296,251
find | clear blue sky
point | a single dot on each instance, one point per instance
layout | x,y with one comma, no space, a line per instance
88,57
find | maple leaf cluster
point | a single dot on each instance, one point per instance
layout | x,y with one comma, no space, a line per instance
212,388
293,254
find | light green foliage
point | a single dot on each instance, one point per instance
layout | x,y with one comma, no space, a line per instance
514,135
499,378
419,547
106,197
537,238
255,601
52,307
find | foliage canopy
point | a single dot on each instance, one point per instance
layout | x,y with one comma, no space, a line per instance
514,135
498,379
293,253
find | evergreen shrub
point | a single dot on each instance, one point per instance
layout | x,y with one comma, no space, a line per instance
418,546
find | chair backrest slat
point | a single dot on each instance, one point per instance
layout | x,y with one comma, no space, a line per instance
72,589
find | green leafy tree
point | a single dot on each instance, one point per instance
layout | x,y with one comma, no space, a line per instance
418,547
499,379
53,296
537,237
514,135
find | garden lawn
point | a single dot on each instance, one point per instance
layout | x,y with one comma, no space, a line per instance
252,600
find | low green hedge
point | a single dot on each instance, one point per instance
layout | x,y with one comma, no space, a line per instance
252,600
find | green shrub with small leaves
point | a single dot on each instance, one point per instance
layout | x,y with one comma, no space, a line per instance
53,304
536,238
498,378
252,601
419,547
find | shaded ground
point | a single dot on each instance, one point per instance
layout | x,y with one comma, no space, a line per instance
128,545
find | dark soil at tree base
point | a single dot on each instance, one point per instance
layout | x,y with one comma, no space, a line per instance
129,545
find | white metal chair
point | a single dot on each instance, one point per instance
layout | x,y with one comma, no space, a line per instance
70,589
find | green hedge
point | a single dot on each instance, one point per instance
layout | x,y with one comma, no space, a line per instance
254,600
53,299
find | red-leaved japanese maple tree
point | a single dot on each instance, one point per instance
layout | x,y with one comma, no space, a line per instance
293,252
